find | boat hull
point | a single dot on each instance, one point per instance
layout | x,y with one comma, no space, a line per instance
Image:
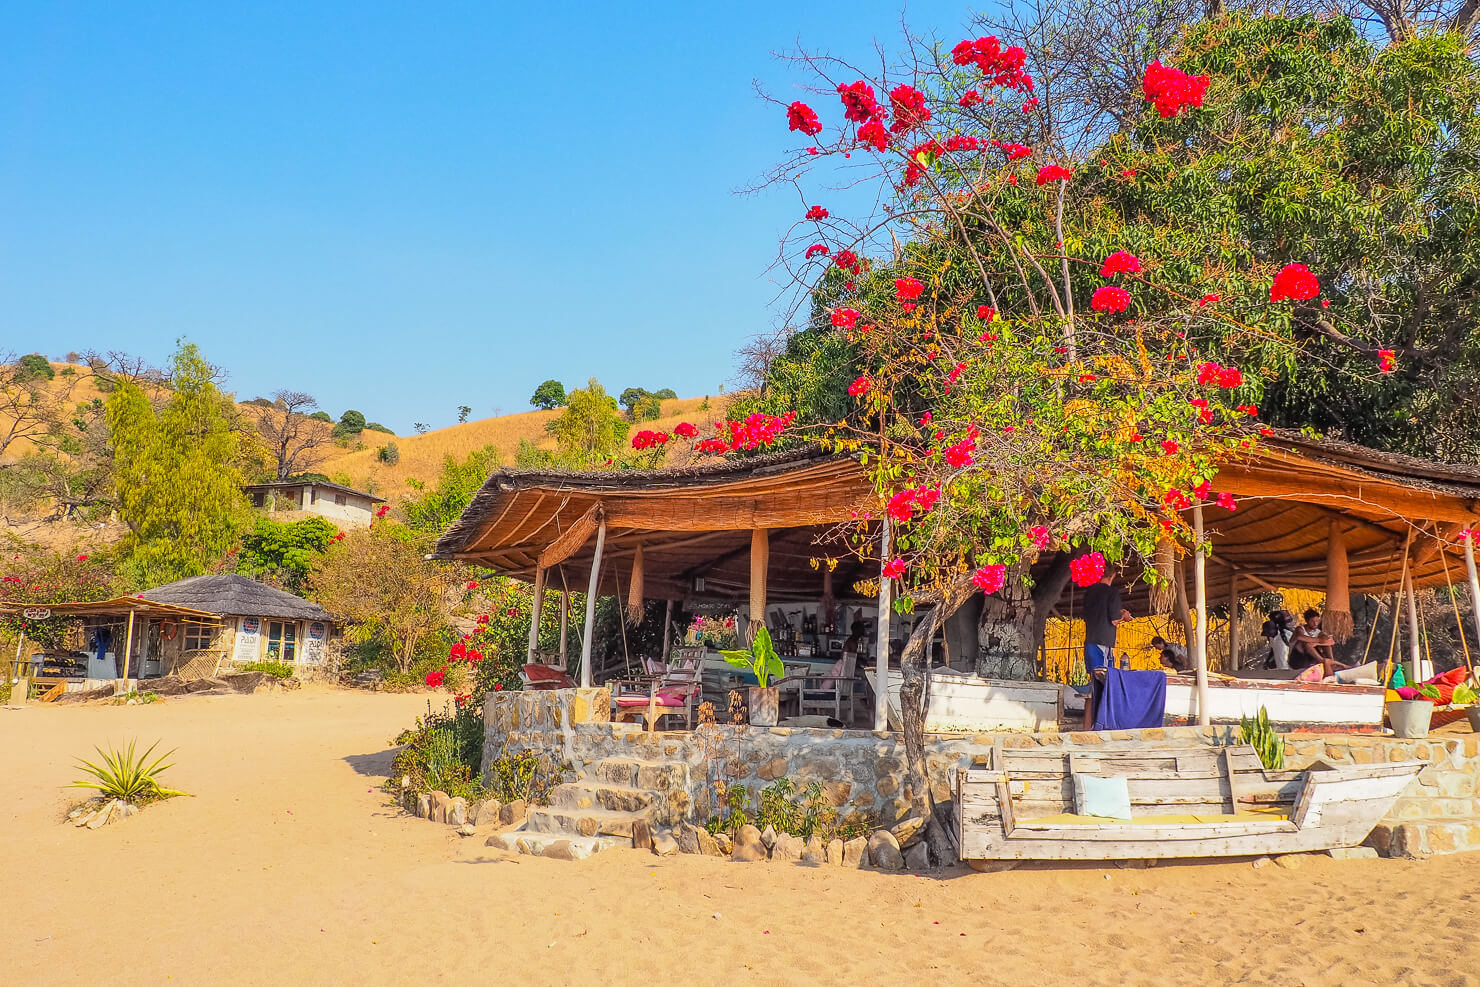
1290,705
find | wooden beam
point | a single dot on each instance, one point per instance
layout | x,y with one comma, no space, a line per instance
1233,612
571,538
534,614
128,647
1348,494
760,561
591,592
1200,595
881,645
1473,578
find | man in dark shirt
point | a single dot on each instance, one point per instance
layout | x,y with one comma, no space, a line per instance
1102,613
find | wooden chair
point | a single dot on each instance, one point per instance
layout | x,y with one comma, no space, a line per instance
669,690
828,694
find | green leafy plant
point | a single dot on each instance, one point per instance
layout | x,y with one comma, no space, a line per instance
1464,695
761,660
128,775
1258,734
144,698
441,753
277,669
525,775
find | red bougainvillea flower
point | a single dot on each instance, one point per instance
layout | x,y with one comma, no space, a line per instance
1202,490
875,135
1110,299
435,679
648,439
1207,300
1040,536
82,558
1001,66
1128,173
961,454
1170,447
800,116
1015,151
859,386
1226,501
845,318
817,250
1204,413
1387,361
970,98
384,510
907,289
1230,377
1172,90
685,430
848,261
1053,173
859,102
894,568
473,584
989,578
908,104
817,213
1294,282
1120,262
714,446
1087,569
986,313
901,506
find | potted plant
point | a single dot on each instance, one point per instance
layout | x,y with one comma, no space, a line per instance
764,663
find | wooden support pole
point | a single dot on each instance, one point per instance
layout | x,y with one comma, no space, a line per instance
1200,597
760,561
592,589
534,614
1469,540
20,682
564,626
128,647
1233,612
667,630
1415,654
881,655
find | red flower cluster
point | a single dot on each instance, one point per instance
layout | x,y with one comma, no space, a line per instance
1040,536
1226,501
685,430
817,213
1013,151
903,505
648,439
817,249
1087,569
970,98
800,116
1294,282
1207,300
1214,373
875,135
894,568
1172,90
384,510
1120,262
755,431
848,261
1053,173
859,102
845,318
907,289
961,454
986,313
1110,299
990,578
909,108
1170,447
435,679
859,387
1001,66
1387,361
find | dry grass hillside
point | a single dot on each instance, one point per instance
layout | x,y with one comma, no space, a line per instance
422,455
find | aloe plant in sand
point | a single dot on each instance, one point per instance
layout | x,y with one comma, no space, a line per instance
124,773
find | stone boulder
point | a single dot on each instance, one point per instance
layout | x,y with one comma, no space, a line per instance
814,854
724,844
908,832
423,806
513,813
484,812
917,856
457,811
768,837
664,845
788,847
748,845
833,852
642,835
883,851
441,803
855,852
708,846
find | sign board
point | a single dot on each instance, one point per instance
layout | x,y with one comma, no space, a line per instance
36,613
248,639
313,646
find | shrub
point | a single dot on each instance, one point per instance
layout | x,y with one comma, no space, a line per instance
1257,732
277,669
127,775
321,416
389,454
377,427
525,775
34,366
442,752
144,698
802,814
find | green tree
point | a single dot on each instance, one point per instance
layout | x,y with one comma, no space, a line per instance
350,425
285,551
550,394
36,367
176,471
388,454
434,510
632,397
590,431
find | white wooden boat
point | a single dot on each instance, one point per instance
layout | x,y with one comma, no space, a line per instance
1309,706
956,702
1185,802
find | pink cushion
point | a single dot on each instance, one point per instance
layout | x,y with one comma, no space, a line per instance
664,698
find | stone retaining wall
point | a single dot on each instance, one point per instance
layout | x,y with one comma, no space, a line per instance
865,771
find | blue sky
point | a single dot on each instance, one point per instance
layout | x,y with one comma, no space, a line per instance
402,208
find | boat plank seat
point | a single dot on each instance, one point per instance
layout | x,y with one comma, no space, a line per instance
1191,801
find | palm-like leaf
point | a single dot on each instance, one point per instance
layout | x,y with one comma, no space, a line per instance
126,774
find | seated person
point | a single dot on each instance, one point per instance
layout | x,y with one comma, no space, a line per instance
1175,659
1311,645
1161,645
1279,630
857,643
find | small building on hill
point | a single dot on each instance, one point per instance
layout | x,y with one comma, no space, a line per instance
257,623
296,499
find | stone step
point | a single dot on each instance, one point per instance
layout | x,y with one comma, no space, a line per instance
583,822
597,795
657,776
1416,838
558,845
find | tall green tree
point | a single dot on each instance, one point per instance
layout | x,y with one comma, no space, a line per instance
434,510
549,395
285,551
590,431
176,471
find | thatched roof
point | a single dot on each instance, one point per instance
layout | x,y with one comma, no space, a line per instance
237,596
697,521
120,606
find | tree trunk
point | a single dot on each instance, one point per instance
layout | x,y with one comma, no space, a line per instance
1012,623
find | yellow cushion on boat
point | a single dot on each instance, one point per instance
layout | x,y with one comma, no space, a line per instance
1183,819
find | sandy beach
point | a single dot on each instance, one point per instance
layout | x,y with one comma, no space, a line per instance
289,867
